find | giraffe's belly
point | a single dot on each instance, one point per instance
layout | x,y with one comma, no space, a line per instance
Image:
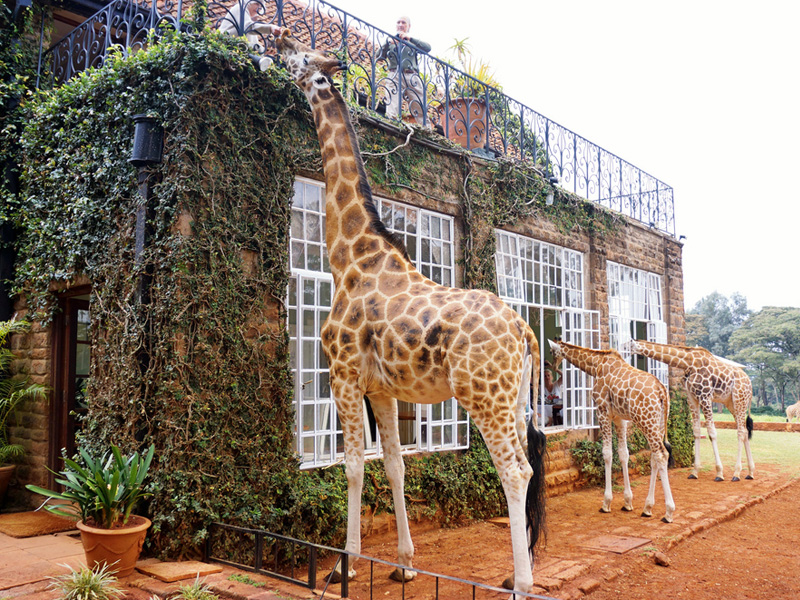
399,382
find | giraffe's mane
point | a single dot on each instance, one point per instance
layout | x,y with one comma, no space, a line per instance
377,225
609,351
688,348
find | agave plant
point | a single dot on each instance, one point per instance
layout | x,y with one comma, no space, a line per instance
85,584
477,70
102,492
13,390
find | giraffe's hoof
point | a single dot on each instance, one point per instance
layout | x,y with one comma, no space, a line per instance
749,477
402,575
605,510
734,479
627,508
508,583
334,577
719,479
644,514
666,520
692,476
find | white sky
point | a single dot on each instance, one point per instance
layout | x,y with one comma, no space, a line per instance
702,94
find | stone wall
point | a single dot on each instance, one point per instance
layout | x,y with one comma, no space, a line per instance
30,426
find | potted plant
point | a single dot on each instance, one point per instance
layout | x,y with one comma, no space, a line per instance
464,115
103,492
13,391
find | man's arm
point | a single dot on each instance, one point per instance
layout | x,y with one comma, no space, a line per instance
424,46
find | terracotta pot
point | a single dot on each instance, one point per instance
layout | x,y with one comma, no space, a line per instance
5,476
118,548
466,121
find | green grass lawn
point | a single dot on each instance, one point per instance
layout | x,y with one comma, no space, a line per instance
781,448
727,416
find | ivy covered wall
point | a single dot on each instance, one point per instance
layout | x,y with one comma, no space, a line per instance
202,369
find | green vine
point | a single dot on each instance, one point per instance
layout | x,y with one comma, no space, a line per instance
202,368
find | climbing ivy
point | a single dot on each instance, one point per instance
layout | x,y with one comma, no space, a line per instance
201,367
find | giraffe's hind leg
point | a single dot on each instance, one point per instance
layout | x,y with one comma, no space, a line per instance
515,472
385,410
624,457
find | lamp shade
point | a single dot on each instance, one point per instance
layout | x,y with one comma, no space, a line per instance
148,140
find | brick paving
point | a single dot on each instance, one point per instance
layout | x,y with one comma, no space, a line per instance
572,567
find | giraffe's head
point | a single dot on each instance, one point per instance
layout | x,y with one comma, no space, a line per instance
630,347
311,69
556,348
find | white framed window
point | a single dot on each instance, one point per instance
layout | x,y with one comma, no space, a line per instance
429,240
635,310
544,283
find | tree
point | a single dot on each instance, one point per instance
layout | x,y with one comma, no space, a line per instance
713,319
770,340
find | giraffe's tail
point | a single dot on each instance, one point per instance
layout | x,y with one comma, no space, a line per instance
749,423
537,449
670,457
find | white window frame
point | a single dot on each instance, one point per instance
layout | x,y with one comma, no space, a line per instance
534,276
635,295
429,238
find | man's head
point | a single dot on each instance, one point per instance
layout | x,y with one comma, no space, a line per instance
403,25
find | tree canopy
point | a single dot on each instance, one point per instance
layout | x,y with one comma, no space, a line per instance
770,341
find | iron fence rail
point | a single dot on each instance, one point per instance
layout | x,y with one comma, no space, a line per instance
479,116
262,540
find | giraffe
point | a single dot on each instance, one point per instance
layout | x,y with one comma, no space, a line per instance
392,334
708,378
792,412
622,393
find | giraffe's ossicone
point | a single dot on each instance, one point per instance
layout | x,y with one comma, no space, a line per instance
393,334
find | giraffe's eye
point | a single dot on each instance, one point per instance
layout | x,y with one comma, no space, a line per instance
305,60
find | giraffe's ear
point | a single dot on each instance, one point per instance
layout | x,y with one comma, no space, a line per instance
285,33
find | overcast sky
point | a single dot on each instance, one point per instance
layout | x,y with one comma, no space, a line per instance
703,95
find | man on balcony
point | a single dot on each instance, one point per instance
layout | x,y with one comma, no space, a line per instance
403,68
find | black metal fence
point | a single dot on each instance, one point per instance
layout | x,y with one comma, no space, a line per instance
296,562
476,115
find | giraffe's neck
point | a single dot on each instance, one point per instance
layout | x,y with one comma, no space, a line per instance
585,359
674,356
352,219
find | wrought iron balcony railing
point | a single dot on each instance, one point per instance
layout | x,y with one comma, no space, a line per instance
476,115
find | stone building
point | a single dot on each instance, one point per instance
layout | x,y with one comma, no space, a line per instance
594,271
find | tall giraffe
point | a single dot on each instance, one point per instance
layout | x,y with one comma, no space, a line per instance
708,378
622,393
393,334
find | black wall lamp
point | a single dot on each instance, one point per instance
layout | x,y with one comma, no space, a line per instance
148,142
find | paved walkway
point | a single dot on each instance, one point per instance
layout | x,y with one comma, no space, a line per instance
585,549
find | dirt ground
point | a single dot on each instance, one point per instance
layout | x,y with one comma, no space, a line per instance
728,540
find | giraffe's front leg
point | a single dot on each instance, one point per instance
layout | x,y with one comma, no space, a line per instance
349,404
624,457
697,432
608,455
705,405
385,410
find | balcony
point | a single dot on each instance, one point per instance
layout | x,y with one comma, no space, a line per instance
479,117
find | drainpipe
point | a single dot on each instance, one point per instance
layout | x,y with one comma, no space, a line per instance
148,142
